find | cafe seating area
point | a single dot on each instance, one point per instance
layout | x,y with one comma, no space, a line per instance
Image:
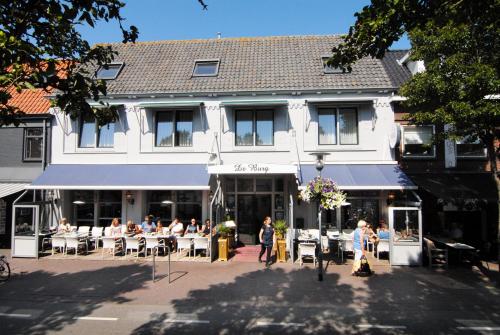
97,243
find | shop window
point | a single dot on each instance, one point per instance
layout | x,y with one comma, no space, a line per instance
343,119
245,184
83,208
230,185
188,205
470,148
359,209
159,205
110,206
263,185
33,144
93,135
417,141
174,128
254,127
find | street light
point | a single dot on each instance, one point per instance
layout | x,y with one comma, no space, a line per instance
319,167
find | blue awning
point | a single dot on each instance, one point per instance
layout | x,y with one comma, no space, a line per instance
123,177
361,176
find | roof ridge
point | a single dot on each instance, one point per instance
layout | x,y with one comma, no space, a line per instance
215,39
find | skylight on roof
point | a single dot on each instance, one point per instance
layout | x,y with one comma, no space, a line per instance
328,68
206,68
111,72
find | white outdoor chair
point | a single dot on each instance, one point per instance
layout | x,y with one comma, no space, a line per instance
74,242
84,230
107,231
324,243
153,242
133,243
58,242
183,243
346,245
382,246
96,236
74,228
307,250
200,243
111,244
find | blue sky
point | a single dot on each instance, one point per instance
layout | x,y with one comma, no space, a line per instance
184,19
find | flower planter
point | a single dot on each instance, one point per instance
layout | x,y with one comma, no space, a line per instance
223,249
281,250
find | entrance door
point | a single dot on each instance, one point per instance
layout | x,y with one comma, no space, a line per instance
252,208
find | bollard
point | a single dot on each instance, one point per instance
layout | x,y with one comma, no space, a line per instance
154,263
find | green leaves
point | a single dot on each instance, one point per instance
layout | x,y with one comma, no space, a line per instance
34,34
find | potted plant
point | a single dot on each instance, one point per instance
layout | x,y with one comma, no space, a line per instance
223,241
280,228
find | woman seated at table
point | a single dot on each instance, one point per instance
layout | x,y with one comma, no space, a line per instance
132,228
115,228
206,228
64,226
383,232
176,227
192,228
159,227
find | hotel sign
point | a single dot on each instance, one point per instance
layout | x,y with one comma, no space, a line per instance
252,168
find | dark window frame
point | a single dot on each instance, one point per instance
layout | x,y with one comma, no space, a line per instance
433,155
328,69
102,67
174,128
206,61
254,126
25,145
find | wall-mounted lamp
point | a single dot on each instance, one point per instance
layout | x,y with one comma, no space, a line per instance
390,198
167,202
129,197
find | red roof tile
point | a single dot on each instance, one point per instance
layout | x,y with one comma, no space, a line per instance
30,101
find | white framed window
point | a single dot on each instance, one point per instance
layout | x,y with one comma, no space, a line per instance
109,71
93,135
338,125
174,128
468,148
33,144
417,142
206,68
254,127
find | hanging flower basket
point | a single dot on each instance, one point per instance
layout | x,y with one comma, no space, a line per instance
325,191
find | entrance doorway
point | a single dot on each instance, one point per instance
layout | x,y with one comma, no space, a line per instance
252,208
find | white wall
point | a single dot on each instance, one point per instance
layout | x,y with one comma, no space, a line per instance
296,134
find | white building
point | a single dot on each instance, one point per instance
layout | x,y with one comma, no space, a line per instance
230,123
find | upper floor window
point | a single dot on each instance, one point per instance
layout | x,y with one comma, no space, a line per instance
254,127
109,71
206,68
328,68
93,135
468,148
174,128
417,141
33,144
337,125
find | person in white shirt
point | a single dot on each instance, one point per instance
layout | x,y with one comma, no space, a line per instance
176,227
64,226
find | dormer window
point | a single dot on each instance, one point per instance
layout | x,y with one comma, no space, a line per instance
109,71
328,68
206,68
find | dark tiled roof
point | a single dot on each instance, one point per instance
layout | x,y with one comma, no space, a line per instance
398,74
246,64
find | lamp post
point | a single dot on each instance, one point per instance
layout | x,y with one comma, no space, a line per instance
319,167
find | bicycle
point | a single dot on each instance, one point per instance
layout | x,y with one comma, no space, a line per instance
4,269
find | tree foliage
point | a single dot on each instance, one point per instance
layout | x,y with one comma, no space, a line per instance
459,42
40,47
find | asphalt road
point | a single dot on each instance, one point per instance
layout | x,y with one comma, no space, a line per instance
90,298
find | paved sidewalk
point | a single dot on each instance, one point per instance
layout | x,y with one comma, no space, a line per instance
70,296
